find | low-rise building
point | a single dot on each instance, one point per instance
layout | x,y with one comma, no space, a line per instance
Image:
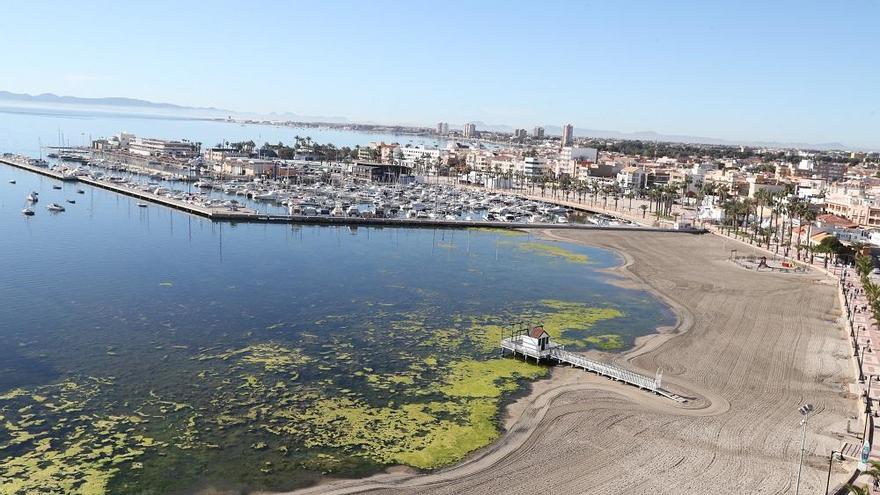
248,167
533,166
379,172
163,148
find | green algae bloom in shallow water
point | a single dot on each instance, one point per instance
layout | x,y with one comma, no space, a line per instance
339,354
554,251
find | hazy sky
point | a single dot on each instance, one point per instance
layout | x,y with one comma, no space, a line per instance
768,70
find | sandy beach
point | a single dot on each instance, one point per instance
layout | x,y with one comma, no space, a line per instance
749,348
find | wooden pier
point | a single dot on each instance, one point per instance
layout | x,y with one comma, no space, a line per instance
529,346
240,215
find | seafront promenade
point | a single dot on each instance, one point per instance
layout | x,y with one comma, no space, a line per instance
864,336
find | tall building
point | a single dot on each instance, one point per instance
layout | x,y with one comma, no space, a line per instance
519,134
470,130
538,132
567,134
442,128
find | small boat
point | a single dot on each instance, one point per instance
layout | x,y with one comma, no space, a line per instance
71,201
33,197
80,191
142,205
56,187
27,211
55,207
12,181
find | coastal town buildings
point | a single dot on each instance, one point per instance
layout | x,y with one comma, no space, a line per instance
538,132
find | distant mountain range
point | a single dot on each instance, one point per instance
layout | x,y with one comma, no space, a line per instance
49,99
113,101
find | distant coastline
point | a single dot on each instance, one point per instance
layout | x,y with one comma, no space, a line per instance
140,107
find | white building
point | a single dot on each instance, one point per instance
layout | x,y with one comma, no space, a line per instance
536,340
632,178
426,157
533,166
161,147
247,167
569,157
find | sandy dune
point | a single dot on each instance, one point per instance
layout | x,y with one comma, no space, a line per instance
750,348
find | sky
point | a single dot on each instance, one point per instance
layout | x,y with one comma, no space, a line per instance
786,71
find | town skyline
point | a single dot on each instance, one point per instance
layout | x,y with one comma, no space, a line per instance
50,101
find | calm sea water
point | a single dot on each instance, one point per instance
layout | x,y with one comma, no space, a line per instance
23,130
148,351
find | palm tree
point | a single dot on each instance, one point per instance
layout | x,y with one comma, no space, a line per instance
685,185
873,470
858,490
644,208
864,265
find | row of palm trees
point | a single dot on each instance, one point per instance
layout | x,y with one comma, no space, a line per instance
770,217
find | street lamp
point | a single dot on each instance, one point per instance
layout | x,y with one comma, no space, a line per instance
805,411
856,342
830,460
862,361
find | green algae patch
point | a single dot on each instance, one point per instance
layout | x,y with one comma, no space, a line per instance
270,356
486,336
79,455
554,251
471,378
499,231
607,342
449,442
567,323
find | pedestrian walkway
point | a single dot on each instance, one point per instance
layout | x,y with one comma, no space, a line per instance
865,346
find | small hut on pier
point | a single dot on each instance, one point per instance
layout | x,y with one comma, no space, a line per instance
532,341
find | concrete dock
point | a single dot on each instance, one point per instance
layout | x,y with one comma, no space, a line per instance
247,215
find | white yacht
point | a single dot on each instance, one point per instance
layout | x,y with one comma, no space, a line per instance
33,197
55,207
28,211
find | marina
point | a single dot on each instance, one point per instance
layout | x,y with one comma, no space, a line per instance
232,211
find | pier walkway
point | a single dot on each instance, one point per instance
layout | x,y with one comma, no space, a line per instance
558,354
240,214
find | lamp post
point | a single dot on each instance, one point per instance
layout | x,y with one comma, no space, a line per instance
830,460
868,395
861,363
805,411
